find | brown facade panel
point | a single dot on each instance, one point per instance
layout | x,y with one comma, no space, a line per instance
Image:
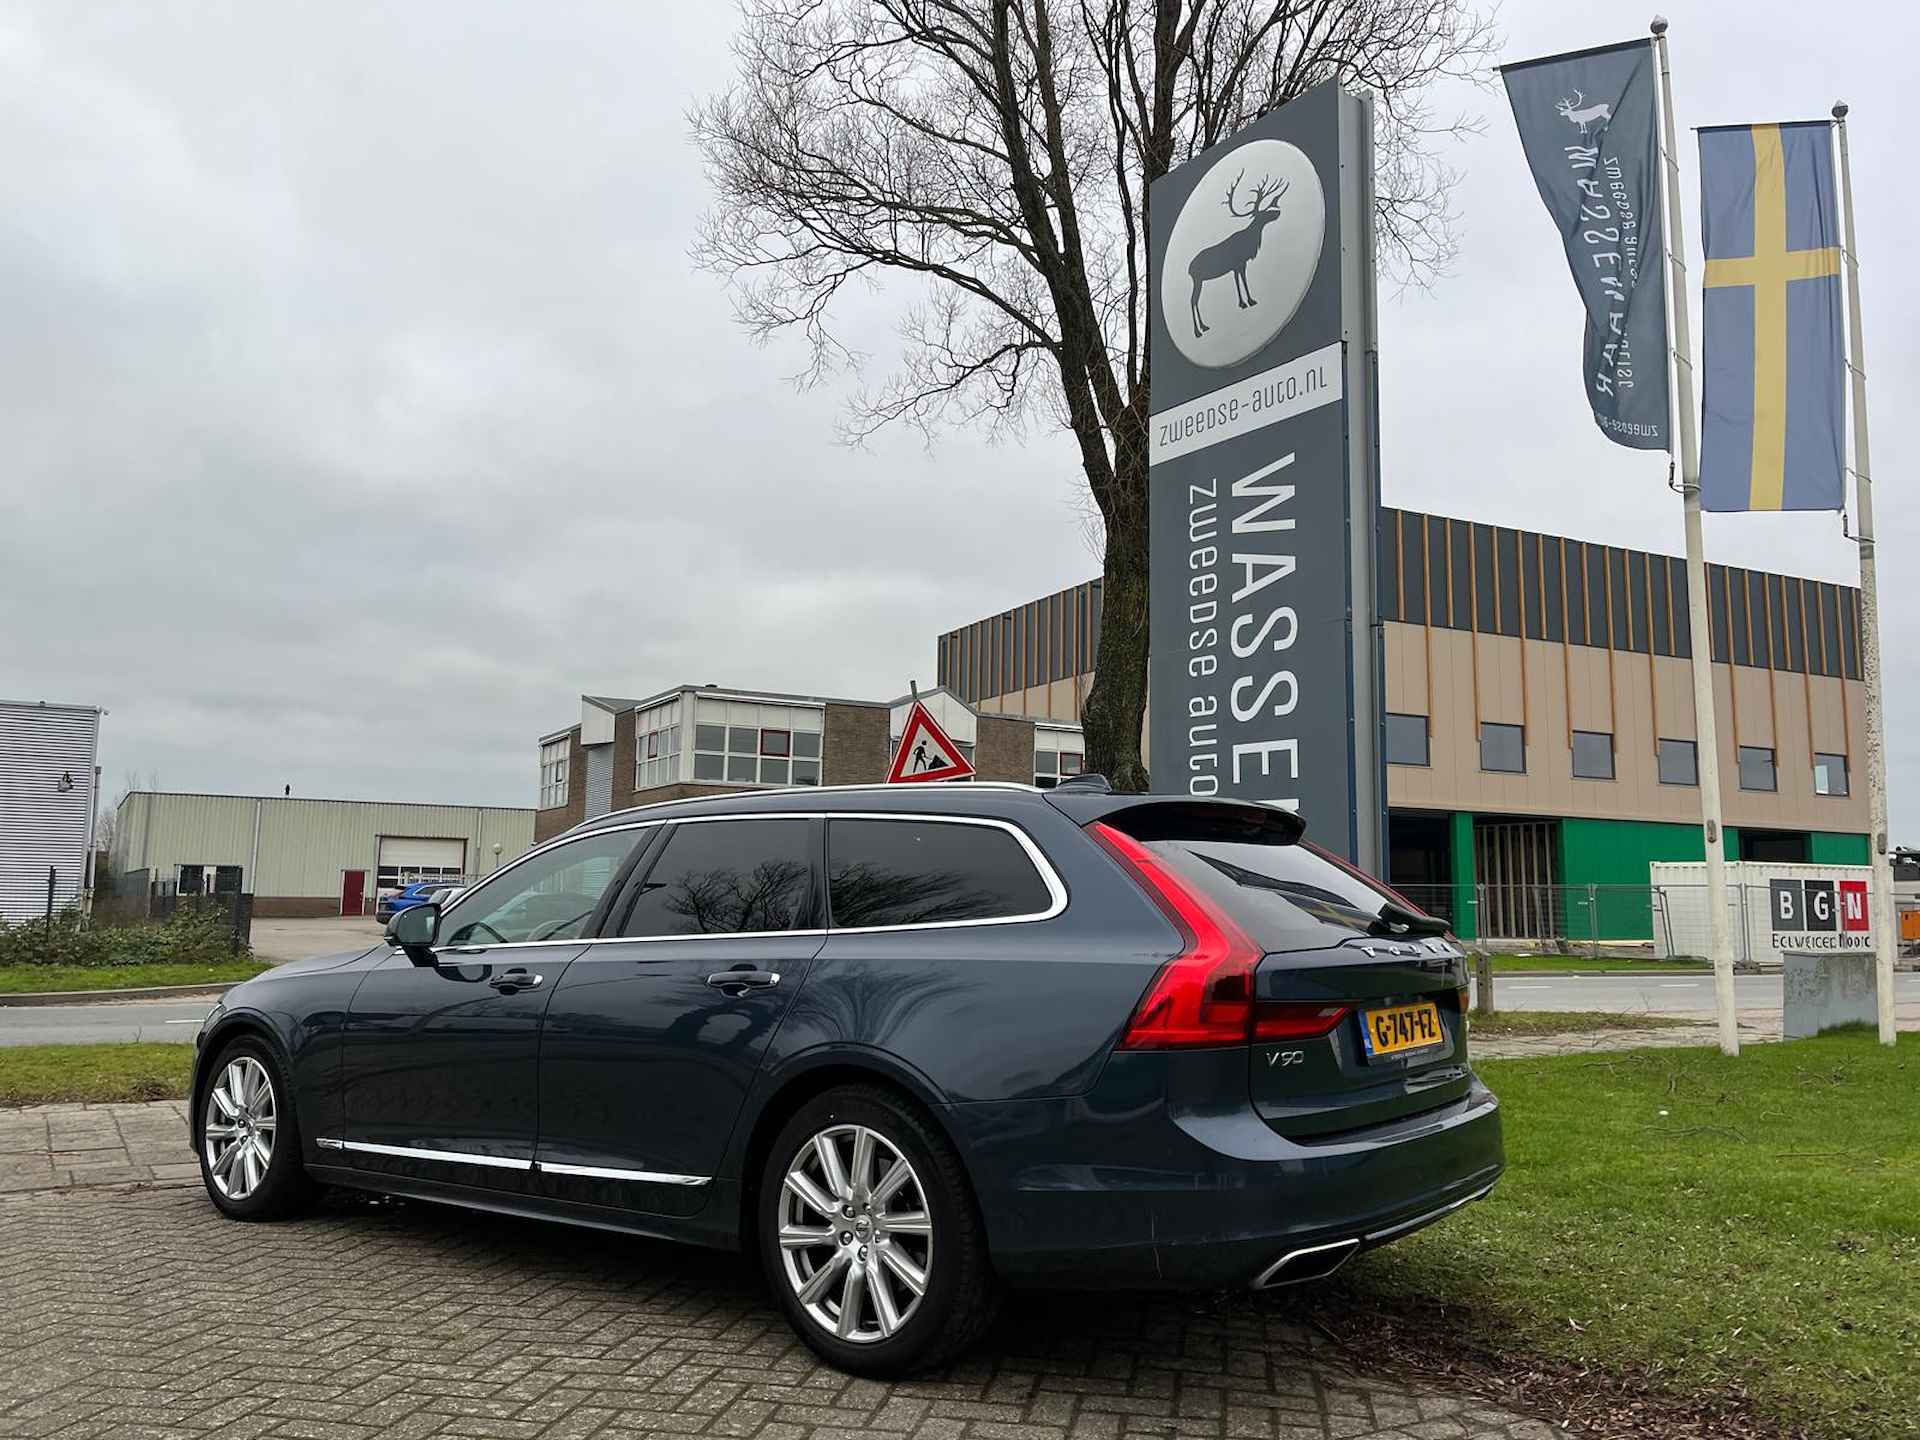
1003,748
625,760
1571,690
305,907
853,745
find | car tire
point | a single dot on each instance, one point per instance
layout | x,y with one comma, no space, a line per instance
875,1325
250,1137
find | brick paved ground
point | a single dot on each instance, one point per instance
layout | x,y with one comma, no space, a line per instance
44,1147
139,1312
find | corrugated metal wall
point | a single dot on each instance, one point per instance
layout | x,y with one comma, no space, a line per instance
304,844
41,825
599,779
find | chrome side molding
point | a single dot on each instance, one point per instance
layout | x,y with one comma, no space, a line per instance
501,1162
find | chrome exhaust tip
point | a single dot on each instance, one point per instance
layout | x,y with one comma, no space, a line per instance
1313,1262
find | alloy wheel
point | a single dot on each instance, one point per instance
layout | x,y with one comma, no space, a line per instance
238,1127
856,1236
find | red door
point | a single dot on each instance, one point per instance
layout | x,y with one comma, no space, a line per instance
353,892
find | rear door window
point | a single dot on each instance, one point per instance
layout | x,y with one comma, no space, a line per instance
728,877
929,872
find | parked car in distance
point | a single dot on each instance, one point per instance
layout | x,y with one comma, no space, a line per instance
909,1046
420,892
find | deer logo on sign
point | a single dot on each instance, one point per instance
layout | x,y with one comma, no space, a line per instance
1232,255
1570,108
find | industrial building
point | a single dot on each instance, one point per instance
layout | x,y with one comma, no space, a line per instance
308,857
1539,727
49,781
707,740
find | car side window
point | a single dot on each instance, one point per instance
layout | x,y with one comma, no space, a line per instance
728,877
549,897
927,872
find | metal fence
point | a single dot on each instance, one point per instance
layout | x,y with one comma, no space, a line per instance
135,898
1662,920
234,908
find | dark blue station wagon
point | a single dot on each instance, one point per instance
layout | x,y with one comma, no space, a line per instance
910,1045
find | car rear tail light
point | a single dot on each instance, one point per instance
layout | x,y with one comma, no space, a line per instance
1288,1020
1204,995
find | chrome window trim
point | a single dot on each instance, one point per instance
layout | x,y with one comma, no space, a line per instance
499,1162
608,1172
1056,887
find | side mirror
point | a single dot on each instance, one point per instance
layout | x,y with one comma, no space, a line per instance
413,930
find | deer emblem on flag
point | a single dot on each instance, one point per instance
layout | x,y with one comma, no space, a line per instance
1572,111
1232,255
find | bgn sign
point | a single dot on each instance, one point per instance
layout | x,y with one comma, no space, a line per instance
1819,914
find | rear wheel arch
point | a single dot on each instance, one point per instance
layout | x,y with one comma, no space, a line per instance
796,1089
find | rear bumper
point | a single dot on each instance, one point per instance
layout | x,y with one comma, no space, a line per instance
1145,1192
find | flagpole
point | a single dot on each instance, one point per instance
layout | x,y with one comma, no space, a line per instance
1886,941
1706,731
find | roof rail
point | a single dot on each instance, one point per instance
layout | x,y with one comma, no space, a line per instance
805,790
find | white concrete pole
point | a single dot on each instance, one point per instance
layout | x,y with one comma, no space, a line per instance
1886,940
1705,730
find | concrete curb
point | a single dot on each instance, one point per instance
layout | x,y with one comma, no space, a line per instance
102,997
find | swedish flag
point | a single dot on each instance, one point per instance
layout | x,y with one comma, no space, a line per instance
1771,406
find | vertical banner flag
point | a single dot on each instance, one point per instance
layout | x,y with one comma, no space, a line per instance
1588,124
1771,408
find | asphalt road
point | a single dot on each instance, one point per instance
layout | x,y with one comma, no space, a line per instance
167,1020
1678,994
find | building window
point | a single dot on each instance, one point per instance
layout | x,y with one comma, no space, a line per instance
1592,755
1503,748
1407,740
553,773
1756,768
1829,774
656,745
1057,755
737,742
1679,763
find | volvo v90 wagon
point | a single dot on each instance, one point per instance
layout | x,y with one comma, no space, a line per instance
907,1045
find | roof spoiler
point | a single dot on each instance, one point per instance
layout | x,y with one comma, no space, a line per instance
1152,817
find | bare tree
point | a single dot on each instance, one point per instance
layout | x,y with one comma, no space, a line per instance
996,154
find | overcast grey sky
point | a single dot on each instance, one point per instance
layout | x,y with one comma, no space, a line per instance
361,408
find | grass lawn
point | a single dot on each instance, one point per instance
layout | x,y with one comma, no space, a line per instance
1740,1231
45,1074
34,979
1566,1022
1606,964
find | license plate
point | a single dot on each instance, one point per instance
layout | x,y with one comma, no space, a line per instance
1397,1029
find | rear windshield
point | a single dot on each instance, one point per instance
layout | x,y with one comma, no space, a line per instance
1285,895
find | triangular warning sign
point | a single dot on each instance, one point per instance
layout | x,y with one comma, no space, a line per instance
926,753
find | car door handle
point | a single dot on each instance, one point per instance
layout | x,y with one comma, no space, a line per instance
737,982
517,979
